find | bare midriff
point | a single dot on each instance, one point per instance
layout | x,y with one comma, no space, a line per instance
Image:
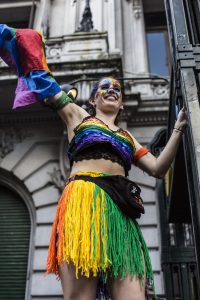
99,165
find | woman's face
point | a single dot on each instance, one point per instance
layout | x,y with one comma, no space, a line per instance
108,95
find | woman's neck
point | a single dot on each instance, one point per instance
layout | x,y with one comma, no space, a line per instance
109,119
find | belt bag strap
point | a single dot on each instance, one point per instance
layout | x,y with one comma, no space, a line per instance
124,192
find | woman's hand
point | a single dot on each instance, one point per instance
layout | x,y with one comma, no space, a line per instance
181,122
158,167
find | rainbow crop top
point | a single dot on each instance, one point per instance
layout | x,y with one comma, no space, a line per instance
93,139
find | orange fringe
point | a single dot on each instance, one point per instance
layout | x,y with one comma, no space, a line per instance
55,253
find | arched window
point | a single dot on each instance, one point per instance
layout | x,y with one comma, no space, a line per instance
16,230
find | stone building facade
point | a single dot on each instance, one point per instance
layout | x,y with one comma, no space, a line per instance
116,39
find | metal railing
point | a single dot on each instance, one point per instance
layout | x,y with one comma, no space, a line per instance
183,17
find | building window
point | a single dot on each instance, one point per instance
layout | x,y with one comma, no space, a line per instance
17,225
18,14
157,44
157,54
15,229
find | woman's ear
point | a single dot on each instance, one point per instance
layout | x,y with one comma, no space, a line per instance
121,107
92,102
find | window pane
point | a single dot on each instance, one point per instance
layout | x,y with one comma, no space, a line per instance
157,53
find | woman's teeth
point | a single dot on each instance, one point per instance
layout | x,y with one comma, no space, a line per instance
110,97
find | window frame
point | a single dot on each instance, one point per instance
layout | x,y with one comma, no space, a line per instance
152,21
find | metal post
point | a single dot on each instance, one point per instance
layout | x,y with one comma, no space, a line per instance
185,65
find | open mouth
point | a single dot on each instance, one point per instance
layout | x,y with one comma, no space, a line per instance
111,97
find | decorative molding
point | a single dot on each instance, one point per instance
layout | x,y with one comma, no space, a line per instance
63,159
76,47
59,176
137,7
86,24
54,51
9,138
28,118
151,89
57,179
137,118
160,90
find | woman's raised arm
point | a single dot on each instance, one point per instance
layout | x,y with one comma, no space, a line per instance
158,167
70,112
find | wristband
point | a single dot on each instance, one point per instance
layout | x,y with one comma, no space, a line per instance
139,153
62,101
179,130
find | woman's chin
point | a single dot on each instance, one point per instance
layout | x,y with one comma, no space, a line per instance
111,105
109,110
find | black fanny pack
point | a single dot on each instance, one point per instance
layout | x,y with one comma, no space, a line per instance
124,192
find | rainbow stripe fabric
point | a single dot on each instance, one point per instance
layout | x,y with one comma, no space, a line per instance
94,131
23,51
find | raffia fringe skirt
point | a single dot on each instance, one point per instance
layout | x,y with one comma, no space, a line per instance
90,230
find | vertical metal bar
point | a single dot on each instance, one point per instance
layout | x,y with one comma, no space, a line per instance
179,35
167,269
185,278
178,22
192,146
177,27
193,282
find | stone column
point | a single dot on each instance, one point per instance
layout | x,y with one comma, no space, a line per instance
135,50
109,24
41,21
119,26
57,18
69,22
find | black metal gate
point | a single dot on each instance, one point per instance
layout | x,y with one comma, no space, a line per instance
181,200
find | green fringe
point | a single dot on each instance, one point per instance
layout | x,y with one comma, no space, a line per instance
128,251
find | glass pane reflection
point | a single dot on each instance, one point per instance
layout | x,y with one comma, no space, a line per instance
157,53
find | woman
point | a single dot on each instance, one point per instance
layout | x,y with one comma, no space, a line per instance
91,235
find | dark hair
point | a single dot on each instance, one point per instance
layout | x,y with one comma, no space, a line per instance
94,90
91,109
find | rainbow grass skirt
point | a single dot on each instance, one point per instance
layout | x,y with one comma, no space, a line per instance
90,230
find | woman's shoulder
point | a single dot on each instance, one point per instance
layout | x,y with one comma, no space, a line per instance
84,119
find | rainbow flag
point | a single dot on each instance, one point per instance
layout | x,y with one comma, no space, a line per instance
23,50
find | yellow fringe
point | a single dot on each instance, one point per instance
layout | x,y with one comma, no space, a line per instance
81,228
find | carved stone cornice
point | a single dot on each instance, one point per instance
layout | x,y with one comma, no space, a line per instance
28,119
78,47
134,114
148,88
135,118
